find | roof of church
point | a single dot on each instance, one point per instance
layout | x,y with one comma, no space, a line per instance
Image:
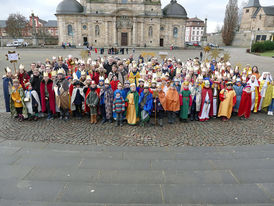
253,3
173,9
69,7
269,10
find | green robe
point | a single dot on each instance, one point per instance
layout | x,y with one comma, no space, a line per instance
185,107
93,100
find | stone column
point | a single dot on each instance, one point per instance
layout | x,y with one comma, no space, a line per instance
106,33
115,31
134,32
142,34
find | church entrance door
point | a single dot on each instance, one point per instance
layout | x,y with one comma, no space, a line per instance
124,39
161,42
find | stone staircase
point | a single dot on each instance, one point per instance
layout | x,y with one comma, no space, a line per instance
40,174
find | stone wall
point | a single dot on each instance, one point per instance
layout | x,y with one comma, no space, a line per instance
242,39
5,40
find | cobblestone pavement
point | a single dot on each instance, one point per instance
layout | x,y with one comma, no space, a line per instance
257,130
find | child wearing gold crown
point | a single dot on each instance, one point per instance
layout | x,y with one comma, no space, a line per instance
17,105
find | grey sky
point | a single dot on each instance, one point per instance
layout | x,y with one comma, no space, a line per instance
212,9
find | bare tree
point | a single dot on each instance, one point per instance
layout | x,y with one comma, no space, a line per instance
230,22
218,28
16,25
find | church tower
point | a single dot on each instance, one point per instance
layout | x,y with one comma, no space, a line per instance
249,11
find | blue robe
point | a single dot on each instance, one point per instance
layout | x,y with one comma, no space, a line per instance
124,95
6,82
239,91
148,104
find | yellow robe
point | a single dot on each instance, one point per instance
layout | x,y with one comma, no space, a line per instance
131,111
226,106
15,96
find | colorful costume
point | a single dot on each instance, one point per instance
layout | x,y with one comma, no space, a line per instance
132,108
228,100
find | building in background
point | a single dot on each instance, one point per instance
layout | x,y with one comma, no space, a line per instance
133,23
194,30
43,28
259,20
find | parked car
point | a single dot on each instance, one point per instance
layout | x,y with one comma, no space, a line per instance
18,43
188,44
213,45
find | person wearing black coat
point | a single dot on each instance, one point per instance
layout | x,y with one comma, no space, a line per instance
35,81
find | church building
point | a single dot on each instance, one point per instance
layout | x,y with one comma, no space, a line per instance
258,18
121,23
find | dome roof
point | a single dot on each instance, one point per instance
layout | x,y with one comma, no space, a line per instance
69,7
173,9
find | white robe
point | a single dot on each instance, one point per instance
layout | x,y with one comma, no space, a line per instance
28,95
72,106
206,109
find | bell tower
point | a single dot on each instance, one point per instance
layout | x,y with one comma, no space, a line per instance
249,10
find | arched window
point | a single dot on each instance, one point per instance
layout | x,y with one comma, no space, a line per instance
97,30
175,32
70,32
150,31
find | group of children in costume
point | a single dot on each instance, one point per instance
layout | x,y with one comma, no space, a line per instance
135,91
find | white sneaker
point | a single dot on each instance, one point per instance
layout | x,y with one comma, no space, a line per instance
269,113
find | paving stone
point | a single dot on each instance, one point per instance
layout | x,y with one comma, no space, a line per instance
29,190
261,175
116,164
215,194
112,193
199,177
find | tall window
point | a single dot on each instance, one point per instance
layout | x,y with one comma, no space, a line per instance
175,32
70,32
124,1
97,30
150,31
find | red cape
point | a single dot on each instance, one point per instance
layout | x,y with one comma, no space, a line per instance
114,84
51,96
245,105
210,94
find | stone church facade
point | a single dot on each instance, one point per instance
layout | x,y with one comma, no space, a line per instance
122,23
257,18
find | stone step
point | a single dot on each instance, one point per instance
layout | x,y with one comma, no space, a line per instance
110,176
4,202
137,193
97,148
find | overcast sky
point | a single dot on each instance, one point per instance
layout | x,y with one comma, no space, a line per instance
212,9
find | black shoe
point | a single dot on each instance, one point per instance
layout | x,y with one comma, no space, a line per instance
66,119
110,121
117,123
61,117
121,123
103,121
196,117
191,117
